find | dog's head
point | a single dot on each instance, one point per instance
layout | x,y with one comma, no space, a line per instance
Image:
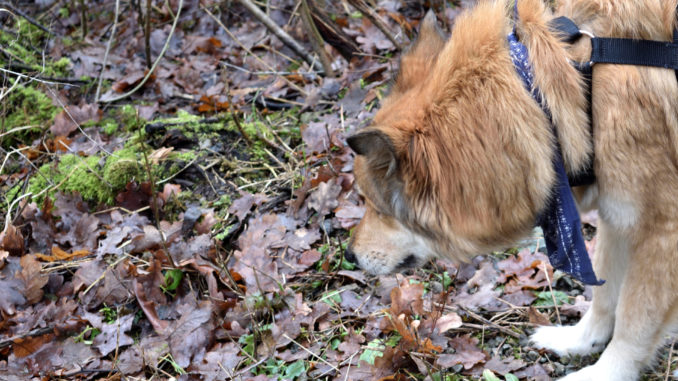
456,162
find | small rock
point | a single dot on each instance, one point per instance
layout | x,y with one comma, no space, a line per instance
436,287
560,369
532,355
458,368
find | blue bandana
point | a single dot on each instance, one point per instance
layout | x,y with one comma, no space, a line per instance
560,219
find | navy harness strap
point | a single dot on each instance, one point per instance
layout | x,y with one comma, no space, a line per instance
626,51
621,51
566,29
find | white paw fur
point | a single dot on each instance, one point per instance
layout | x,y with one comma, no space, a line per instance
588,336
612,366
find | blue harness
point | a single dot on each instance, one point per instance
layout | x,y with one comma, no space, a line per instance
560,219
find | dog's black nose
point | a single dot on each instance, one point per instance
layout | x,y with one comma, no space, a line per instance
349,255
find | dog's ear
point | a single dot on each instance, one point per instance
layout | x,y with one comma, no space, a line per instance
376,146
421,56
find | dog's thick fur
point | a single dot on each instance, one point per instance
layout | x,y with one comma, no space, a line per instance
458,163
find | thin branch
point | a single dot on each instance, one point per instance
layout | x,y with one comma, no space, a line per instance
246,49
27,17
36,332
147,33
316,39
83,18
281,34
108,49
368,12
155,64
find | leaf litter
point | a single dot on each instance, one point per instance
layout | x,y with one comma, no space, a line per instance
221,256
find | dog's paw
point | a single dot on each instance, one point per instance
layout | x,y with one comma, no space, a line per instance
612,366
590,373
567,340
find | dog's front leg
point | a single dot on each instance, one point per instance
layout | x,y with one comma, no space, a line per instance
647,309
595,328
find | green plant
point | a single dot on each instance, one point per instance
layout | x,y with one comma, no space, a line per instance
87,335
374,349
173,278
168,359
545,298
110,315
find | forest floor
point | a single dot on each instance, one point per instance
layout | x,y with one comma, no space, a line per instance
177,194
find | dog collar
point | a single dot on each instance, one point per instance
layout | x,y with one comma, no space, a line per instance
560,219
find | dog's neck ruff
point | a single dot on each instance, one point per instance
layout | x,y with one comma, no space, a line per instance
560,219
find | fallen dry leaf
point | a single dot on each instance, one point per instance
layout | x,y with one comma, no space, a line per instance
33,278
466,352
407,298
448,322
12,241
70,118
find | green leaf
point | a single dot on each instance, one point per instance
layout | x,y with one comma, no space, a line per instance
172,279
248,342
393,340
346,265
374,349
544,298
489,376
510,377
295,369
331,296
447,280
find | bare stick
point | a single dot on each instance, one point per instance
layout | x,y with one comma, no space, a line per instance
108,49
147,33
316,39
83,18
368,12
25,16
281,34
155,64
553,297
234,38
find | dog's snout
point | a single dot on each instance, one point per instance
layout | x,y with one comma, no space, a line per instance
349,255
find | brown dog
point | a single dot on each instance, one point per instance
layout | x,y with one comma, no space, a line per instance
458,162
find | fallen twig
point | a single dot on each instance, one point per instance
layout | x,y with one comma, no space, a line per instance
281,34
35,332
234,38
368,12
316,39
26,17
155,64
490,323
108,49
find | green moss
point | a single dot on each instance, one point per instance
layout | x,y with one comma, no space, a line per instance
185,156
95,179
122,167
60,67
27,106
129,119
26,45
31,107
86,178
109,126
75,174
32,33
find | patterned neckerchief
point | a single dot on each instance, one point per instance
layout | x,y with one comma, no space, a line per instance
560,219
